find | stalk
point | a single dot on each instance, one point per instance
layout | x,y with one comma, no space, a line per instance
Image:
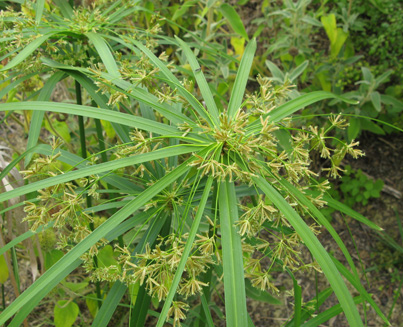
84,155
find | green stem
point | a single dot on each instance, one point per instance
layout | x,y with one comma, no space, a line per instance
15,268
84,155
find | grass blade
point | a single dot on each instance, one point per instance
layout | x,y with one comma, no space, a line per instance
241,79
350,212
317,250
105,53
201,81
40,5
358,286
96,169
234,20
171,77
124,87
232,256
112,116
65,8
296,104
206,310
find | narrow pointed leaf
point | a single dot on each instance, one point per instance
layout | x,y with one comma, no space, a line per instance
96,169
296,104
105,53
24,53
197,106
232,256
40,5
112,116
201,81
234,20
241,79
317,250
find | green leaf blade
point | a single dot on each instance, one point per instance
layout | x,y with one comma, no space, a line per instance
317,250
234,280
241,79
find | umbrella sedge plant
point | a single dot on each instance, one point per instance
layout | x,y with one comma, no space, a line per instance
198,190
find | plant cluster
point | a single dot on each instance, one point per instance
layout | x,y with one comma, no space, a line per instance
358,188
189,180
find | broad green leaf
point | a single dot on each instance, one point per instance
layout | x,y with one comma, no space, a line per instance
232,256
92,304
382,78
186,252
241,79
24,53
298,70
65,313
317,250
376,101
369,125
354,128
275,71
340,40
239,46
106,257
75,286
3,270
234,20
105,53
52,257
60,127
336,35
329,23
366,73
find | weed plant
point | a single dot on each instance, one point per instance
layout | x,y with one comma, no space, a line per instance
189,189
